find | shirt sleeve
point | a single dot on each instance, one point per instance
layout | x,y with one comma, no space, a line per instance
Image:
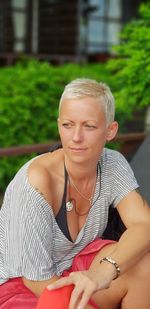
30,244
124,180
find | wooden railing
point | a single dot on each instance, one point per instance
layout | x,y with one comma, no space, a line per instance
25,149
129,144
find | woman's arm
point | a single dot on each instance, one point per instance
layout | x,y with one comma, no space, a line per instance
132,246
135,241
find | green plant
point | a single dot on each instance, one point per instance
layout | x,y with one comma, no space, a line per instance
29,97
130,68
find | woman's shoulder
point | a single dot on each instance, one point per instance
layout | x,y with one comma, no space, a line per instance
45,166
111,156
44,171
37,169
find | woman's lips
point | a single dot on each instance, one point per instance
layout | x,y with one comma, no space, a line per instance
79,149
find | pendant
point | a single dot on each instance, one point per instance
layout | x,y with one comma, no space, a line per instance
69,206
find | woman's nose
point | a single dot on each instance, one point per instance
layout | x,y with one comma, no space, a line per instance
77,134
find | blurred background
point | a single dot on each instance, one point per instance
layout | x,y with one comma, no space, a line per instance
61,30
44,44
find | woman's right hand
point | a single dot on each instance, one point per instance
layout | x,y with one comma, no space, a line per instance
85,284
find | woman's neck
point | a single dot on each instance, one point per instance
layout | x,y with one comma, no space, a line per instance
80,172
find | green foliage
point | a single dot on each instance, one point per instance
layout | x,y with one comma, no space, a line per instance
29,97
131,67
30,91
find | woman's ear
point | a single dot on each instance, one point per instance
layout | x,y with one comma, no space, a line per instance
112,130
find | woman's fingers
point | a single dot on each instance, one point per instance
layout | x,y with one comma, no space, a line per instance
60,283
83,290
84,287
80,297
75,296
71,279
84,300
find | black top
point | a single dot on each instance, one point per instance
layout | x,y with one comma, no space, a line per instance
61,217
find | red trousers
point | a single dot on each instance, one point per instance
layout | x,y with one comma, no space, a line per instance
14,294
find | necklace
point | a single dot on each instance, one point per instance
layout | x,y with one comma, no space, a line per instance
69,205
81,194
72,202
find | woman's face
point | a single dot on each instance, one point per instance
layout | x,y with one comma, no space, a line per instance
83,129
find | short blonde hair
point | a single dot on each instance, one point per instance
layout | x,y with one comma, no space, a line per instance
82,87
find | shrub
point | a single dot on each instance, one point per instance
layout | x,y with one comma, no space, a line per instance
29,96
30,91
130,68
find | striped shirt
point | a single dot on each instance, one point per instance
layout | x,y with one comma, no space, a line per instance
31,243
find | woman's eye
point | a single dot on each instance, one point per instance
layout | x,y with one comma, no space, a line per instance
66,125
90,126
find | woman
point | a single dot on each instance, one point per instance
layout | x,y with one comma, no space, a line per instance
56,209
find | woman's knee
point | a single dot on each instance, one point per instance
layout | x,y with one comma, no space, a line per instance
138,285
124,290
141,270
112,297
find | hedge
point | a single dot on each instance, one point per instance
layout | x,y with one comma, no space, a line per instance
29,97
